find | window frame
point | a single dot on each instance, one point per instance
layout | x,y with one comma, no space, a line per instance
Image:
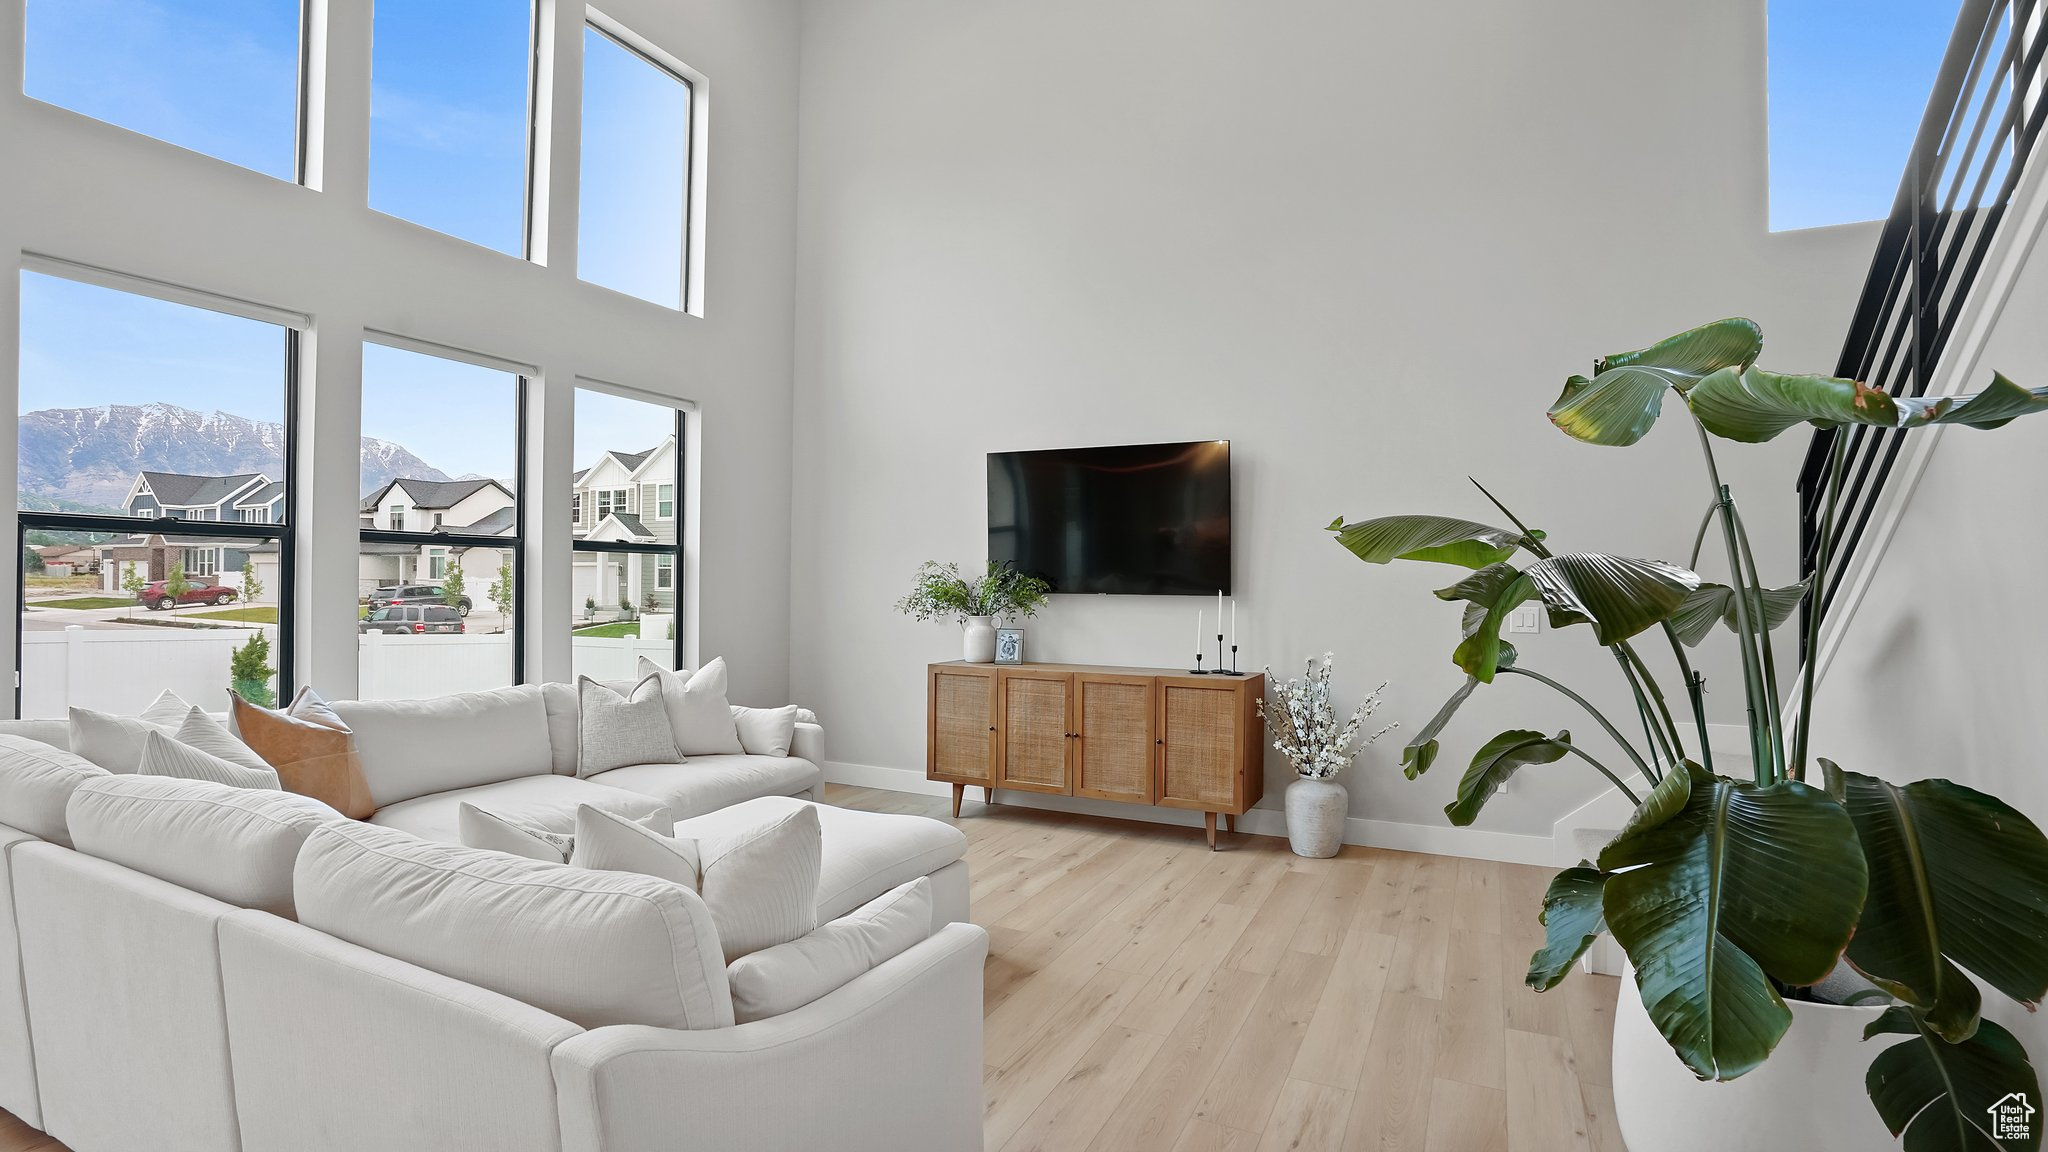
690,283
524,378
630,548
281,532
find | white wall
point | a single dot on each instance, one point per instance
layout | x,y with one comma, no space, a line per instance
87,192
1365,242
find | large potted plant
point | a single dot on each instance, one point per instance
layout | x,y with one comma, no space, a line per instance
1734,897
1001,593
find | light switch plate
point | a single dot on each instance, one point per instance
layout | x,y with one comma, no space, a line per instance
1525,619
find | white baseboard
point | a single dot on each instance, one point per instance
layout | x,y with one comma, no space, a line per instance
1435,839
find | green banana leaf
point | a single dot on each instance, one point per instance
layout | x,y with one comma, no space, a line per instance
1496,762
1939,1095
1490,593
1571,920
1620,596
1621,401
1421,751
1754,405
1718,887
1694,620
1956,878
1437,538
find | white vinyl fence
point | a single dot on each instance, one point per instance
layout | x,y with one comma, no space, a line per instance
415,667
606,658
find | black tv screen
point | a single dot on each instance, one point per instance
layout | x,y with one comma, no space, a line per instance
1142,519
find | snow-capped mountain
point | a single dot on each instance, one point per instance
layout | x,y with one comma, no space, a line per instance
89,456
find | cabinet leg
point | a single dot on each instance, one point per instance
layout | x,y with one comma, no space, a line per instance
1209,821
959,790
1230,823
988,795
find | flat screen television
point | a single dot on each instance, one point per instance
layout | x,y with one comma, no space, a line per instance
1140,520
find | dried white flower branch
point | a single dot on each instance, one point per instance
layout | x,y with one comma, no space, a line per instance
1303,721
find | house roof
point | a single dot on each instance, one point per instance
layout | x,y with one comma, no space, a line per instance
265,495
181,491
433,493
497,523
630,461
619,526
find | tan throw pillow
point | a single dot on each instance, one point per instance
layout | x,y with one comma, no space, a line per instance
313,751
494,833
609,842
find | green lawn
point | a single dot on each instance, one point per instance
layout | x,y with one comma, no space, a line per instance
85,603
254,614
619,630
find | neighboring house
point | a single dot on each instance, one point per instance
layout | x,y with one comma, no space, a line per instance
626,496
250,498
470,507
68,559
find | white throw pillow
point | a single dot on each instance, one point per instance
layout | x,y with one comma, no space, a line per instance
789,976
762,884
765,731
697,709
168,709
163,756
609,842
209,735
36,782
614,728
494,833
112,742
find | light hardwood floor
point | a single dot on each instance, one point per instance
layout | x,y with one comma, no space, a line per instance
1144,994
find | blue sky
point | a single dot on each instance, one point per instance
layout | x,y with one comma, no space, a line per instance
1848,82
449,96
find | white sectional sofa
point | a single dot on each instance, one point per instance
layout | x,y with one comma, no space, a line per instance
158,989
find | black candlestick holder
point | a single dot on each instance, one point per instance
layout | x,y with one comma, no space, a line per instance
1220,670
1198,670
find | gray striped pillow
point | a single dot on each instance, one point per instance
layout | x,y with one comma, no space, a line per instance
164,756
212,737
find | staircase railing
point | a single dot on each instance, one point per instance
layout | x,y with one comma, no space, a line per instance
1982,122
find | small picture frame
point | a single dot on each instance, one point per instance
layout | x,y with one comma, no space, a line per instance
1009,645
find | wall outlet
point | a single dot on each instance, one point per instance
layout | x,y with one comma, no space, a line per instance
1525,619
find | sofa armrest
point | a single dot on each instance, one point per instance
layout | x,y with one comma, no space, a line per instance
808,743
891,1062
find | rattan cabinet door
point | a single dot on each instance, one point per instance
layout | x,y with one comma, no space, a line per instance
1032,736
1115,751
1201,745
960,742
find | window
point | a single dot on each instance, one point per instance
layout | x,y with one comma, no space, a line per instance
459,424
256,515
449,106
131,407
632,225
216,76
440,518
623,585
664,501
576,509
1848,82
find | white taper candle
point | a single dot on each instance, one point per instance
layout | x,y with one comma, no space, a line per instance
1198,631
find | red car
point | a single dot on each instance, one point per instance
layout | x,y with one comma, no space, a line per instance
156,597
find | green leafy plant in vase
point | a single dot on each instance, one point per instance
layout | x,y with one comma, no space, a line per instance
1733,895
942,592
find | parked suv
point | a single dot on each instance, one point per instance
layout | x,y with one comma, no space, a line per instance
412,620
156,597
414,594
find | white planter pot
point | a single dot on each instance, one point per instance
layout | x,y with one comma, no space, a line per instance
1315,817
978,640
1808,1096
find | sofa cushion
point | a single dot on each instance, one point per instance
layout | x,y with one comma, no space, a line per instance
560,701
36,782
236,845
547,801
761,883
709,783
766,731
493,833
310,746
610,843
616,728
697,708
789,976
865,853
596,948
419,747
55,733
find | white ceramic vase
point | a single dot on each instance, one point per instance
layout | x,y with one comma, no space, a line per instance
978,640
1808,1096
1315,817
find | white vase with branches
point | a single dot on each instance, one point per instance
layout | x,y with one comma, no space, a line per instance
1303,721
